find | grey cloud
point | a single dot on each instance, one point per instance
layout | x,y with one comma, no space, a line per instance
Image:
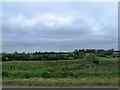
40,37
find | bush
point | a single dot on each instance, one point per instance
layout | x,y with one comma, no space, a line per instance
96,61
92,58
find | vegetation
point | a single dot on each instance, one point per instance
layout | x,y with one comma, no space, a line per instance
61,69
16,72
42,56
63,82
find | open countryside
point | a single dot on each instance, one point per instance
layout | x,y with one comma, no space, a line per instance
59,44
88,67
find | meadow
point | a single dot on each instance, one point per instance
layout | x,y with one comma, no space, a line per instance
61,73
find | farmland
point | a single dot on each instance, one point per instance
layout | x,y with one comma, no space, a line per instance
61,73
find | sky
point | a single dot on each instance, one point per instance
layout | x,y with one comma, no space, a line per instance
58,26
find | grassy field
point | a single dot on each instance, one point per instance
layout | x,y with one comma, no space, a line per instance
62,73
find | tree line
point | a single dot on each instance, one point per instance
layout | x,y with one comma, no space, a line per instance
76,54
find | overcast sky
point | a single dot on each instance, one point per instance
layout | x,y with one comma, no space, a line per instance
65,26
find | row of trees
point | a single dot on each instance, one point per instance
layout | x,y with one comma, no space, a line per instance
76,54
99,52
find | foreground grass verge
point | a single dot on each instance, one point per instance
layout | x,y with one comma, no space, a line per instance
63,82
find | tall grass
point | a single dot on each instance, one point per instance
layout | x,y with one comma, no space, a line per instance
63,73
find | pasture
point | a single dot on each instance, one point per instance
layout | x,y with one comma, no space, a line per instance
61,73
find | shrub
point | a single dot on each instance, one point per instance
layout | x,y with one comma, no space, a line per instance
92,58
96,61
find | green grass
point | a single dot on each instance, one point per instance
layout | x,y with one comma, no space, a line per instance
61,73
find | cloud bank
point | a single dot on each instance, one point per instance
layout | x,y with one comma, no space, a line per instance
58,26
